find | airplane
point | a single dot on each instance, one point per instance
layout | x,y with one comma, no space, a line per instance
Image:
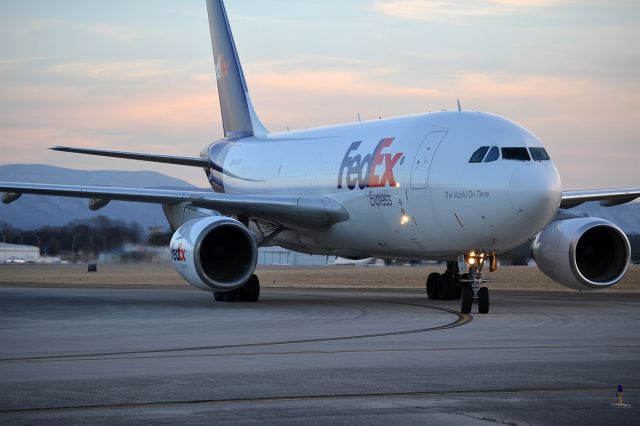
456,186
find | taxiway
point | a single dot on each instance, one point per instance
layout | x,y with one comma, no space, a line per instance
105,356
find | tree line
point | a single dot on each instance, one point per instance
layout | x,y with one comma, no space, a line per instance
79,237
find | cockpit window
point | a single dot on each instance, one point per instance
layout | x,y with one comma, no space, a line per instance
520,154
539,154
479,154
493,155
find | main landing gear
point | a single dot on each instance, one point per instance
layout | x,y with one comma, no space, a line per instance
249,292
465,287
447,286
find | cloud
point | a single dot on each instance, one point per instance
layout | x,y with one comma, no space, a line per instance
336,82
7,64
115,32
119,70
112,32
441,10
22,28
180,109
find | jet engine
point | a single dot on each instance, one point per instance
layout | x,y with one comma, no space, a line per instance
214,253
582,253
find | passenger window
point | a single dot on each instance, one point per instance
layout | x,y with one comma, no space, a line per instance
520,154
479,154
493,155
539,154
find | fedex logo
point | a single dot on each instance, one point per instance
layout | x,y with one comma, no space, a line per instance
374,170
178,254
222,67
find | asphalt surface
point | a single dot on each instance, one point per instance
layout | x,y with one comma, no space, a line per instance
120,356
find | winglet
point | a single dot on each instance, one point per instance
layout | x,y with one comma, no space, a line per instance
239,118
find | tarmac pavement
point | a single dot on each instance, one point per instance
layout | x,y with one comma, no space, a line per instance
112,356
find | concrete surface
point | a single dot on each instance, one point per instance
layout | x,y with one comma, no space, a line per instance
300,356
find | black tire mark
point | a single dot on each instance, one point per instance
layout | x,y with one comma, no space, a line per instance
461,319
169,403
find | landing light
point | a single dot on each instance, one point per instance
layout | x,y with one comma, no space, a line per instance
477,259
397,184
404,219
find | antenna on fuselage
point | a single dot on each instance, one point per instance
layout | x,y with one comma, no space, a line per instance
459,107
359,119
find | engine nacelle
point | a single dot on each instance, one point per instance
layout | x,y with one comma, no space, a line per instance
582,253
215,253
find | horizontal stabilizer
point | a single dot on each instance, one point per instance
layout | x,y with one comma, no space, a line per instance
156,158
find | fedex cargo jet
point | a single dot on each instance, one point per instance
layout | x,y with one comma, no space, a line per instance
458,186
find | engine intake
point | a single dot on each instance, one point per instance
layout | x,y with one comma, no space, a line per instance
214,253
582,253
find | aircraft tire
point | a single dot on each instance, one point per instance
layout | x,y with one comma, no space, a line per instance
231,296
250,291
447,287
432,285
467,299
218,296
483,300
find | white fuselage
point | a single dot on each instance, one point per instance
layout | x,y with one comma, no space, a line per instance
406,182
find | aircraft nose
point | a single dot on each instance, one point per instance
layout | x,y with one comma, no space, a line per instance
535,191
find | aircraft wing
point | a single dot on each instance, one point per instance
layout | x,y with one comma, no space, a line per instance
607,197
295,212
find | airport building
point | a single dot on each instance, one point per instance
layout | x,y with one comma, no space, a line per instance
278,256
18,253
266,256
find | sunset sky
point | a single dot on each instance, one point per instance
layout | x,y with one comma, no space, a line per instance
138,75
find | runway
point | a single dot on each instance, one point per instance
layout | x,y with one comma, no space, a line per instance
105,356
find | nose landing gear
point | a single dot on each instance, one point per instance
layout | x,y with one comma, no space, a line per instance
466,287
474,293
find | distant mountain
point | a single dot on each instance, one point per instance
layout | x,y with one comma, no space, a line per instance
50,174
32,211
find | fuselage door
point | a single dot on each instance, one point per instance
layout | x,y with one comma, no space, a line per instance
422,161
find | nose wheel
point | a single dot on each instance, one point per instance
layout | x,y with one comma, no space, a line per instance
474,293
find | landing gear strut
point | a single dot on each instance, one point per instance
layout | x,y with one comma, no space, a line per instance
466,287
249,292
472,292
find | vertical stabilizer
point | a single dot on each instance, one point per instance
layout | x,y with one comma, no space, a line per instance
239,119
